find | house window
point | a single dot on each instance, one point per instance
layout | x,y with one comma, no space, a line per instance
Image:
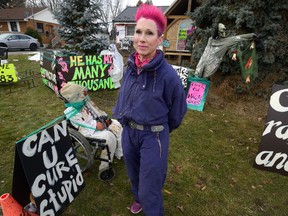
13,26
40,27
130,30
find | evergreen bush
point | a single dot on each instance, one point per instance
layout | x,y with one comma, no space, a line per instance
82,26
34,33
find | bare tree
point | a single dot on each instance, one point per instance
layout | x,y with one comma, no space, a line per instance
51,4
32,3
111,9
149,2
11,3
139,3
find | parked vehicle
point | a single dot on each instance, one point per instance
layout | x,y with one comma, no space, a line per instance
18,41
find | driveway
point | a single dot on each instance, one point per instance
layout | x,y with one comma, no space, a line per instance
17,52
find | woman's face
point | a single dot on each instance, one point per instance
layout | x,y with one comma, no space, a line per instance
146,39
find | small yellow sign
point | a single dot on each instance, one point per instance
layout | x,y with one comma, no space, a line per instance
8,73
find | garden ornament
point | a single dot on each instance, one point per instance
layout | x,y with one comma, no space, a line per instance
221,30
116,70
216,48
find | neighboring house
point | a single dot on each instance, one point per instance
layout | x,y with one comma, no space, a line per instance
40,19
124,24
178,27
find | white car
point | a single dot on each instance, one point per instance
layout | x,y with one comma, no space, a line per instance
18,41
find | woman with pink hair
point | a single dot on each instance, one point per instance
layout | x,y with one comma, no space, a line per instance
150,105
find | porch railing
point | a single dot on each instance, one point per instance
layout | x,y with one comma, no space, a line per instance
55,41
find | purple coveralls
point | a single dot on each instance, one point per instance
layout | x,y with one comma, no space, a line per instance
153,98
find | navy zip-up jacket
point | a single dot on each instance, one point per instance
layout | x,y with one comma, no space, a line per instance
154,97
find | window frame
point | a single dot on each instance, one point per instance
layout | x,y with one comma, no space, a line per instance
13,25
40,27
129,31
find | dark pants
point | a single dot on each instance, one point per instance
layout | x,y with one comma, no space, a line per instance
146,158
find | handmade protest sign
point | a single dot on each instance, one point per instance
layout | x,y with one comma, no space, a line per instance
48,70
46,166
91,71
273,149
8,73
183,73
197,92
186,27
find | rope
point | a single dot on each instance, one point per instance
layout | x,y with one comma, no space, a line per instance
78,106
74,112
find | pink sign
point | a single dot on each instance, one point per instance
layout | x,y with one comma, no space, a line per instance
195,93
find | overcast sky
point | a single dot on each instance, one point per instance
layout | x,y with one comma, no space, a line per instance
155,2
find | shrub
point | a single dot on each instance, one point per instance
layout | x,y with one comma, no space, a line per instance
34,33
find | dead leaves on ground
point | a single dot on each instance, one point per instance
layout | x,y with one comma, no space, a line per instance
167,192
201,185
180,207
177,167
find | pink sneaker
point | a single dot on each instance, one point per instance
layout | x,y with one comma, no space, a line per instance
135,207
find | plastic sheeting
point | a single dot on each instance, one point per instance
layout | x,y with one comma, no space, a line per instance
117,72
214,52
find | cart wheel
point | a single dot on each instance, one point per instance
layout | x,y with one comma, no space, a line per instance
106,174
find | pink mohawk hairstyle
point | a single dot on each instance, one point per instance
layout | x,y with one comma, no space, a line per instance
154,13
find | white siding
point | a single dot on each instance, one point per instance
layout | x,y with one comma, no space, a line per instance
44,16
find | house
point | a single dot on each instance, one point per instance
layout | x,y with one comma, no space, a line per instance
40,19
179,25
124,24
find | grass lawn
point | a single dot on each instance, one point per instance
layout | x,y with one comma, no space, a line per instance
210,164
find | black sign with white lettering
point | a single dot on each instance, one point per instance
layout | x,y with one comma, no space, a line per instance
183,74
52,173
273,149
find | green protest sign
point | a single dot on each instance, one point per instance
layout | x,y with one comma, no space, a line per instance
91,71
